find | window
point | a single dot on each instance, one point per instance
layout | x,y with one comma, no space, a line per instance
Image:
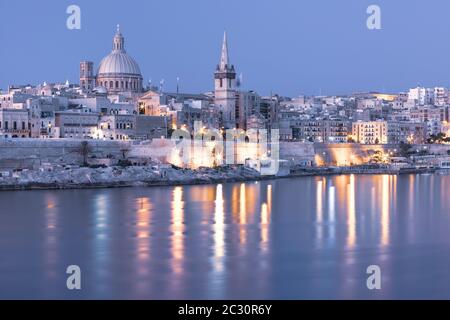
15,125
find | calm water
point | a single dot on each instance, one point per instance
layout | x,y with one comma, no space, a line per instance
288,239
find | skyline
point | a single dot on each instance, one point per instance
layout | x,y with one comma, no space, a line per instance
184,48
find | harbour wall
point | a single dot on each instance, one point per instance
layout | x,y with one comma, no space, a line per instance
34,153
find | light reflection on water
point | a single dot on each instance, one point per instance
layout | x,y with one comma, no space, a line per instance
289,239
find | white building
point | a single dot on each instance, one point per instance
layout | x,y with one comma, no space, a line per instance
422,96
14,123
77,124
440,96
370,132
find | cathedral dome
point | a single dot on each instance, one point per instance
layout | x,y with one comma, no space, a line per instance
118,62
118,72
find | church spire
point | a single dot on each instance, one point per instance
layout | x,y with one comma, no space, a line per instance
224,59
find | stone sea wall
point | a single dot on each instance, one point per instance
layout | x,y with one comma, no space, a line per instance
34,153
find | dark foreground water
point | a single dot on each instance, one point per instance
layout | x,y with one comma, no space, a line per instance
302,238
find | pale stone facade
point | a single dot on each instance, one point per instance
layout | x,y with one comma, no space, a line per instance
14,123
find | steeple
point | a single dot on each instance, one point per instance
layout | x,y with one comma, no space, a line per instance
224,60
225,88
119,41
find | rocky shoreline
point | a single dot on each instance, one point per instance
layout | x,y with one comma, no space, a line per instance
64,177
118,177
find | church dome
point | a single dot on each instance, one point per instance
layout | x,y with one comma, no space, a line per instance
118,72
118,62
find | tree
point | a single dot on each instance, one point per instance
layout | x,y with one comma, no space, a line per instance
125,152
405,149
84,150
437,138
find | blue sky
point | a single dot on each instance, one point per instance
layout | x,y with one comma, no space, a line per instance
290,47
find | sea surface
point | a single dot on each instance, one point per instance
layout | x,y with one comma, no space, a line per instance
301,238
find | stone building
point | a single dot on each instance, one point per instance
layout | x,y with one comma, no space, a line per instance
14,123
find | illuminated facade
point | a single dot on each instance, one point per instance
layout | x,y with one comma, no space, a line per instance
370,132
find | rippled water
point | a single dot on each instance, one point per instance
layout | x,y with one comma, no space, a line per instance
302,238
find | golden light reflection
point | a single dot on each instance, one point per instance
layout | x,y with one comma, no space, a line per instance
219,230
385,200
351,212
205,196
50,216
266,211
242,205
243,214
319,201
235,203
251,196
265,220
51,235
411,193
143,209
341,183
332,212
177,229
332,204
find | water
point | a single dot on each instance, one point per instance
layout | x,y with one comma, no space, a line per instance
304,238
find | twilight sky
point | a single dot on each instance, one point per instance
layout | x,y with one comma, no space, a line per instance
290,47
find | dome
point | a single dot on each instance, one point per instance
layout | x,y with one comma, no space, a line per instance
118,72
118,62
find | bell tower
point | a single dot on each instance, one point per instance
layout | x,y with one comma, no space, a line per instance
87,78
225,88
